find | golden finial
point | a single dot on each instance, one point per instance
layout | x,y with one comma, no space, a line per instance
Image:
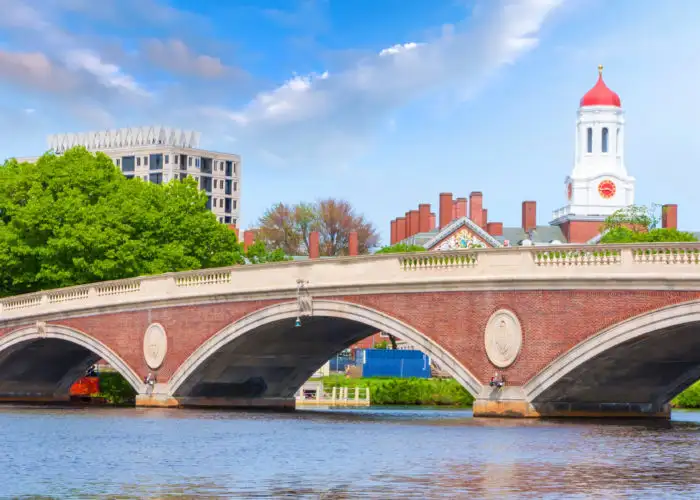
600,69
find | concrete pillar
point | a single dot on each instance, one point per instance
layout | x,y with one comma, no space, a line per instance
392,238
529,215
669,216
400,229
415,222
475,208
494,228
314,245
424,217
248,239
445,209
353,244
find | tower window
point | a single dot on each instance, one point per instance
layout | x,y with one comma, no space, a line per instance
604,140
589,147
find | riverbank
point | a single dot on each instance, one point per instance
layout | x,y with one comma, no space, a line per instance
688,399
406,391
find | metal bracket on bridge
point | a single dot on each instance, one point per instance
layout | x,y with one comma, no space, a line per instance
305,303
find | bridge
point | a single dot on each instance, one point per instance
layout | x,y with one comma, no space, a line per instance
570,330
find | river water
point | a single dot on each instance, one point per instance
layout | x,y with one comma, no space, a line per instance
368,453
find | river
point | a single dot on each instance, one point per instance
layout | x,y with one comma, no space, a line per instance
369,453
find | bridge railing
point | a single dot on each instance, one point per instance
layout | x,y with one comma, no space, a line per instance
560,266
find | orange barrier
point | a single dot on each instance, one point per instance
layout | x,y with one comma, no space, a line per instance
85,386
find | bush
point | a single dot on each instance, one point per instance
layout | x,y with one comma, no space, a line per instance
115,389
690,398
407,391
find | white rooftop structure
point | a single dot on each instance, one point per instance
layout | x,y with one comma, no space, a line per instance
125,138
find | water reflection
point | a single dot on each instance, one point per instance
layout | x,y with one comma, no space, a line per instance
369,453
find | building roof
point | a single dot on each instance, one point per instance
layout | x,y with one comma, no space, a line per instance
600,94
456,224
541,235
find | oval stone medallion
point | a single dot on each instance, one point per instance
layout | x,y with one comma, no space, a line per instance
503,338
155,345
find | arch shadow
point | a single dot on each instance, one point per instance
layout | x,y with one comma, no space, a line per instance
647,359
44,364
263,354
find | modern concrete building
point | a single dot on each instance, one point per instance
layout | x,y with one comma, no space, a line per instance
160,154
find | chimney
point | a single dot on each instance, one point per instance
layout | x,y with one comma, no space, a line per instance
454,209
432,220
248,239
314,245
409,229
475,203
484,218
393,225
400,229
415,222
424,217
669,216
353,244
494,228
529,215
445,209
233,228
461,207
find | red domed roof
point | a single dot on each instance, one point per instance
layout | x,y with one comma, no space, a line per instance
600,94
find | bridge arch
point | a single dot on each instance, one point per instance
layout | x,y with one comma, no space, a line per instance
285,313
25,346
649,358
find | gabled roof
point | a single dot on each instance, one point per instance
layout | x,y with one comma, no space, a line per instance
455,225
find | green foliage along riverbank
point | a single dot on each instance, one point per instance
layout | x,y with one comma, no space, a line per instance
690,398
116,390
407,391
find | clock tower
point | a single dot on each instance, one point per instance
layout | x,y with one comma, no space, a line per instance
598,184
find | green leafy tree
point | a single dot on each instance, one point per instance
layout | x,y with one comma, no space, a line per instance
401,248
75,219
258,254
638,224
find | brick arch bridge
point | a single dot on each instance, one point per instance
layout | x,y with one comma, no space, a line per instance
571,330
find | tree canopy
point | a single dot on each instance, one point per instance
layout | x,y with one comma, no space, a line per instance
638,224
287,227
75,219
401,248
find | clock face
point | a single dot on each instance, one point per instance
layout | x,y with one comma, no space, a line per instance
607,189
569,190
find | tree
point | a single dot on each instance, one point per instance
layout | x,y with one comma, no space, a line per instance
257,253
288,227
401,248
75,219
638,224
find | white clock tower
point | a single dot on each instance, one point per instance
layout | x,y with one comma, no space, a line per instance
599,183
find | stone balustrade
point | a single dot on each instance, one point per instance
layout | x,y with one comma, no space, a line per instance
650,266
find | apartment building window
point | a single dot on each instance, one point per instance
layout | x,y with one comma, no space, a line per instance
221,202
235,168
117,161
227,207
196,162
208,202
156,178
145,160
167,159
234,221
221,219
235,204
138,161
182,176
127,164
235,187
129,176
145,178
229,168
175,159
156,161
228,187
189,161
227,219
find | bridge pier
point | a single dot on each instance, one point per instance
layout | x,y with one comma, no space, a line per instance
159,397
510,402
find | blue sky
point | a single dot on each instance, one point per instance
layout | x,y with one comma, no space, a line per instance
385,103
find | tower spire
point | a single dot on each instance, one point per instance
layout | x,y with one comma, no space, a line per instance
600,70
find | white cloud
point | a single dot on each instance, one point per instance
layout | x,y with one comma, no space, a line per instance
109,75
335,113
174,55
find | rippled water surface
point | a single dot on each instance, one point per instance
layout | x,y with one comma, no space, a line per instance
369,453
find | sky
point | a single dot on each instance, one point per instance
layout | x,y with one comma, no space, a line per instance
385,103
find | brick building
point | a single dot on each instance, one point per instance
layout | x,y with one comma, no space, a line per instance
597,186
